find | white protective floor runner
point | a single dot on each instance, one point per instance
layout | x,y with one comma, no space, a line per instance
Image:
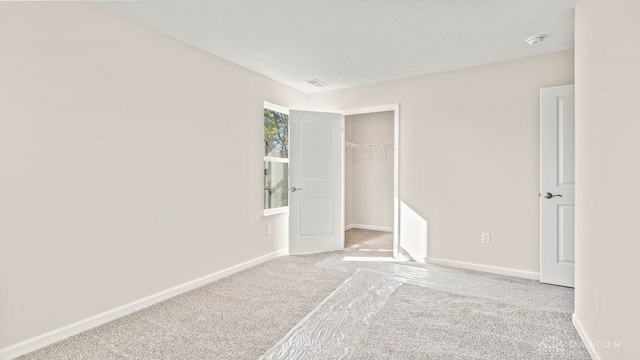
333,328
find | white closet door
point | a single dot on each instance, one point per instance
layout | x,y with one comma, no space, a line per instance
315,199
557,185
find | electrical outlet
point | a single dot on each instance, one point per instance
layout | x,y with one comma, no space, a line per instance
597,301
268,229
486,238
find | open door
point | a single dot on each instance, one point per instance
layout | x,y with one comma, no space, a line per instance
315,171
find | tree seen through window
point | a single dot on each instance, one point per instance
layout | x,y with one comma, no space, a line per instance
276,159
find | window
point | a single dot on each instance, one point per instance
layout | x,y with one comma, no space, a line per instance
276,159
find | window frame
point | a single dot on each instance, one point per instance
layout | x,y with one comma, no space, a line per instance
282,110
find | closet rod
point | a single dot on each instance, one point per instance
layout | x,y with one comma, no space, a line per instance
350,146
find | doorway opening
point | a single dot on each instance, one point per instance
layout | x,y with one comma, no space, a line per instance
370,180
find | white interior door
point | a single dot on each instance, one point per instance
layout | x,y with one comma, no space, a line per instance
557,185
315,197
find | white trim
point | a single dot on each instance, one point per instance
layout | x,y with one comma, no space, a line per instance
370,109
486,268
276,108
368,227
275,211
418,259
396,164
343,186
276,159
396,180
584,337
64,332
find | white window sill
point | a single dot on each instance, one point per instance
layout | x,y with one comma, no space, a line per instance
280,210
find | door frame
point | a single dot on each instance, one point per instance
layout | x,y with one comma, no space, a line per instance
396,165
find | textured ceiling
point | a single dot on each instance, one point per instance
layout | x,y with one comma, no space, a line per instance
346,43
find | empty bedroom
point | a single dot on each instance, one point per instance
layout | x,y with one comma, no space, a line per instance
319,179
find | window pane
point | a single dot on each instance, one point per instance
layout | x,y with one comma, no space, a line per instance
276,134
276,184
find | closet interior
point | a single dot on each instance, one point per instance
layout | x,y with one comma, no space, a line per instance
369,181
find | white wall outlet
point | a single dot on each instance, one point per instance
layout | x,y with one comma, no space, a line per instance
268,229
486,238
597,301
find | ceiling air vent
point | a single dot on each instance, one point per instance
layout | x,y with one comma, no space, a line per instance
317,83
535,40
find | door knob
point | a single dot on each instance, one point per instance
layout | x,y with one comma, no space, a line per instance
549,195
294,189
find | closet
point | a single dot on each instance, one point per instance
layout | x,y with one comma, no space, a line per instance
369,181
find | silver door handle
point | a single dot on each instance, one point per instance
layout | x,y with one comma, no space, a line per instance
549,195
294,189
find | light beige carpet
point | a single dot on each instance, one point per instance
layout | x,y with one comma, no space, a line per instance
440,313
368,240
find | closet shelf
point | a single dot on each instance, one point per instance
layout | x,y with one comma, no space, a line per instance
350,146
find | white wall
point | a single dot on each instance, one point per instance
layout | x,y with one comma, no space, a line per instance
130,163
469,154
608,176
369,176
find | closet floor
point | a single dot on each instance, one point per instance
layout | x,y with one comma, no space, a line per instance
368,240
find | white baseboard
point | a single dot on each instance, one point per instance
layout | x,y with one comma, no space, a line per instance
368,227
584,337
486,268
64,332
413,257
